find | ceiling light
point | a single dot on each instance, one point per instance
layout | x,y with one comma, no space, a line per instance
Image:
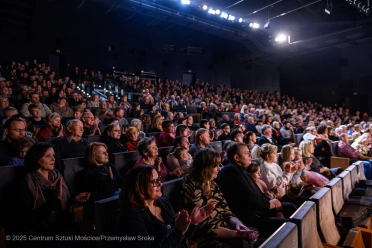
240,19
185,2
267,25
281,38
231,18
205,7
211,11
254,25
224,15
218,12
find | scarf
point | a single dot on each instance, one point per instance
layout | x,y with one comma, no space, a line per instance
37,182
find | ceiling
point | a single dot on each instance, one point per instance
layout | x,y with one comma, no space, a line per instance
305,21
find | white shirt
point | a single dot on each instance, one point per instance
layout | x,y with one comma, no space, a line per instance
272,175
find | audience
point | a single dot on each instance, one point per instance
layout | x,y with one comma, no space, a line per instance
111,138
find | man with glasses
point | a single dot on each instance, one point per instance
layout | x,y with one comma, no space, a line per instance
90,128
14,129
202,139
35,99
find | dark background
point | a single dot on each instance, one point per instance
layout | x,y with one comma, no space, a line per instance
337,74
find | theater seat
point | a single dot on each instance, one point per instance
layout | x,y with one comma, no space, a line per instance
71,168
326,222
124,161
172,191
216,145
94,138
305,219
285,237
337,161
297,138
106,212
359,238
337,196
346,184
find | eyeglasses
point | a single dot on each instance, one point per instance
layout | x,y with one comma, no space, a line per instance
156,182
118,131
18,130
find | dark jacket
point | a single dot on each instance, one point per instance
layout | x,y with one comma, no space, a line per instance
114,145
136,222
242,194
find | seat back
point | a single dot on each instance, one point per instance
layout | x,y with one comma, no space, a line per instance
334,144
346,183
216,145
51,140
172,191
337,196
106,212
305,219
152,134
191,109
360,166
285,237
124,161
192,137
146,127
94,138
71,168
326,223
230,114
298,137
196,117
353,175
164,152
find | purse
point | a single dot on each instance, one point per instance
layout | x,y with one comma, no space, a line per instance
293,191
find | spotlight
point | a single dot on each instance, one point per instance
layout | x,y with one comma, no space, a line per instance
329,8
267,25
185,2
224,15
254,25
211,11
205,7
218,12
281,38
231,18
240,19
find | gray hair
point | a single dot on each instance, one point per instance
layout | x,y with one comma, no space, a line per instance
134,122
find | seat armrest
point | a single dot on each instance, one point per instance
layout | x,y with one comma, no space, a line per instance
340,162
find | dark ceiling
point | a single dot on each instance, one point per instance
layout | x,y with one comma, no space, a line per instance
305,21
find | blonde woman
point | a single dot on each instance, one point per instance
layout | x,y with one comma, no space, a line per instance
54,128
288,157
157,124
271,173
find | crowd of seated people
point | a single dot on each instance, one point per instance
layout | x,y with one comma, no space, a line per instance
36,106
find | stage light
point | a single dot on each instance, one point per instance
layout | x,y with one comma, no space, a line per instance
281,38
240,19
218,12
211,11
231,18
205,7
329,8
224,15
185,2
267,25
254,25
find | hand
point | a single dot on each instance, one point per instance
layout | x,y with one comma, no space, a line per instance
277,204
82,197
109,173
157,163
300,164
199,214
275,190
247,234
182,221
222,155
309,161
289,167
219,132
189,133
178,172
58,189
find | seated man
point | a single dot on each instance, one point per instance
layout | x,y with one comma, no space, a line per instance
347,151
226,132
103,112
267,134
90,127
244,197
250,124
287,133
202,139
36,119
72,145
226,119
14,130
35,99
61,107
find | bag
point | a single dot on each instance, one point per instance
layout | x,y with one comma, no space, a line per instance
317,179
352,215
294,192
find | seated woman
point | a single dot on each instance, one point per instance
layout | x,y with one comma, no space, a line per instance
44,198
149,155
361,144
22,146
172,161
136,111
250,140
100,178
307,148
138,124
124,103
222,228
271,173
311,176
144,213
212,133
111,138
166,138
183,130
54,128
132,137
156,126
288,157
322,146
190,123
237,120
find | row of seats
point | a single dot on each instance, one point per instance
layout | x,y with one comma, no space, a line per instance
316,223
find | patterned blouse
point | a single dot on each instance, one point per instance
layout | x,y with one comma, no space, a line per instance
191,195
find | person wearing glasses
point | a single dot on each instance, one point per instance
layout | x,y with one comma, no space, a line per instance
148,150
100,178
150,218
14,129
221,228
111,137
